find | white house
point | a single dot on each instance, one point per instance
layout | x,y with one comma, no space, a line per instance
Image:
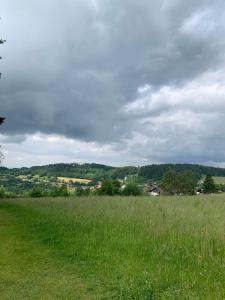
154,191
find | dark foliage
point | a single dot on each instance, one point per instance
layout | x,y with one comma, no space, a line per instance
1,120
97,172
156,171
36,193
110,188
12,180
209,185
179,183
82,192
60,192
132,189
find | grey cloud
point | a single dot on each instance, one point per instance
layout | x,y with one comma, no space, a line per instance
14,139
70,67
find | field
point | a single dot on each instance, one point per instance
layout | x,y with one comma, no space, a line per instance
113,248
219,180
73,180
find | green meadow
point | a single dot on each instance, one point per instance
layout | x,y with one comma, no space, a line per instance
113,248
219,180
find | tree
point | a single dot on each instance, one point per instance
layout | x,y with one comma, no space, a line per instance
1,155
61,191
110,187
187,183
36,193
82,192
1,119
209,185
2,193
179,183
132,189
169,182
1,42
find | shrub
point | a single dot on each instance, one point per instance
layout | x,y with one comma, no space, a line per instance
2,193
82,192
61,191
110,188
36,193
132,189
179,183
209,185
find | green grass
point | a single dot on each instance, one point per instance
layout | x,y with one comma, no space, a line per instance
113,248
219,180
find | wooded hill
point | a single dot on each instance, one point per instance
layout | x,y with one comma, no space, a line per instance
100,172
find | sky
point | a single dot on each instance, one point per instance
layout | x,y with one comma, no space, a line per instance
114,82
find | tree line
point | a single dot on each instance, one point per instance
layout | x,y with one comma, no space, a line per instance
187,183
98,172
172,183
156,172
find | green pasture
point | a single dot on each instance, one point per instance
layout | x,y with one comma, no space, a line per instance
219,180
113,248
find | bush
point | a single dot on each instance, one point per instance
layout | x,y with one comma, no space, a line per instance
179,183
110,188
209,185
132,189
61,191
36,193
220,187
82,192
3,193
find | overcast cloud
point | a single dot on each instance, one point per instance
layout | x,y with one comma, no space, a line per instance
111,81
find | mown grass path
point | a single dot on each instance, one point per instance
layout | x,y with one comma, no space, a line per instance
27,269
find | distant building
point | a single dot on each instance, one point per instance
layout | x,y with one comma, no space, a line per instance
123,186
154,191
199,191
98,185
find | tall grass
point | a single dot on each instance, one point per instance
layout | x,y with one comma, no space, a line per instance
133,248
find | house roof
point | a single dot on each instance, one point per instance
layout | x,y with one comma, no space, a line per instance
1,120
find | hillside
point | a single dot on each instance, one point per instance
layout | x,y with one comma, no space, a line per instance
100,172
74,170
156,171
47,178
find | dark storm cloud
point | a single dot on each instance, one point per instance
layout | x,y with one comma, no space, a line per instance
70,67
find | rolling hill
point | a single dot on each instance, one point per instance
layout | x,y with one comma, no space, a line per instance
97,172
